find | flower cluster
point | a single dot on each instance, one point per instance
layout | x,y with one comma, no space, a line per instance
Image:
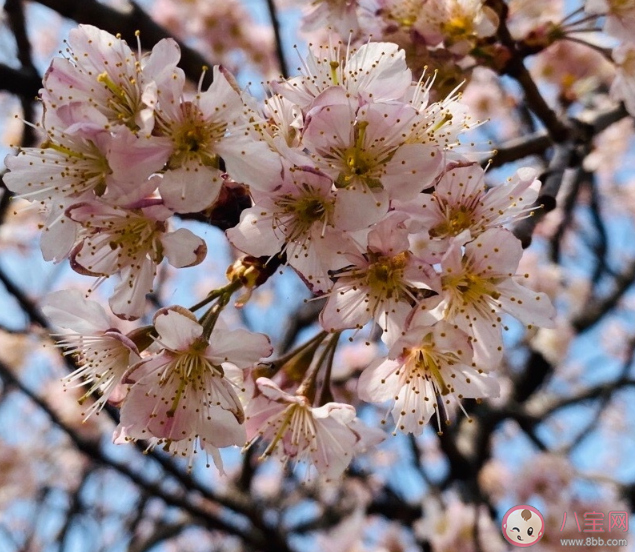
360,182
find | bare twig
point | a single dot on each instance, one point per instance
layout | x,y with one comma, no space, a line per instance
275,24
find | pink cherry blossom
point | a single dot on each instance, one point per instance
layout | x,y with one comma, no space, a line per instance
481,283
442,123
376,72
102,73
527,16
454,525
131,243
381,285
340,15
102,352
461,201
114,165
619,14
298,219
183,395
327,436
426,364
203,130
279,123
369,155
456,23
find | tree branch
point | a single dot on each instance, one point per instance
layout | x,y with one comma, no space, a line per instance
275,24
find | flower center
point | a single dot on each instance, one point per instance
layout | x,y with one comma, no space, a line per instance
134,236
470,289
124,99
458,27
188,371
457,220
194,138
358,161
385,275
298,214
427,366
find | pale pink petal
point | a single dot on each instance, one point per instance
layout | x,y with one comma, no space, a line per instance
190,188
357,207
254,233
129,298
176,330
411,170
58,237
183,248
70,309
378,382
239,347
223,430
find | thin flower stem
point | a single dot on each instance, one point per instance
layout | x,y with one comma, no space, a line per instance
325,394
603,51
307,387
208,320
210,297
592,17
571,15
276,365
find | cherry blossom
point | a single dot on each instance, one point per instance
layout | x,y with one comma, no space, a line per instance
575,69
113,165
376,72
102,352
620,16
367,153
102,73
532,16
183,394
457,526
456,23
280,124
479,284
426,364
441,123
131,243
340,15
359,179
461,201
382,284
326,436
299,220
201,133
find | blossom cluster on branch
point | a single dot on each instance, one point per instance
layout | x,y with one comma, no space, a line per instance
361,180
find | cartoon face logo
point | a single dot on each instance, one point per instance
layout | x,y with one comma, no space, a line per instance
523,525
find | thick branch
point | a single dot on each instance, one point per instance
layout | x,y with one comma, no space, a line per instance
558,130
15,15
519,148
546,201
22,82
